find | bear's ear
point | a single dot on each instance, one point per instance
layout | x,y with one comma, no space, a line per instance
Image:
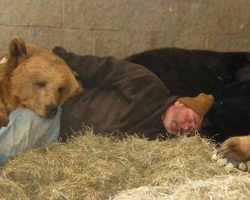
17,47
17,51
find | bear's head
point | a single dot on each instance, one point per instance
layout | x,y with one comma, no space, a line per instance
37,79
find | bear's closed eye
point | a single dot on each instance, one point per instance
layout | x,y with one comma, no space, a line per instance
40,84
61,89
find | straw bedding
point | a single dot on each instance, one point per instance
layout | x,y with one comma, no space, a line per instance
94,167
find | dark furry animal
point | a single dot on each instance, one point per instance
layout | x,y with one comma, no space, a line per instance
189,72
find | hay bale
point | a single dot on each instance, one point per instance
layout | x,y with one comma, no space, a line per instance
94,167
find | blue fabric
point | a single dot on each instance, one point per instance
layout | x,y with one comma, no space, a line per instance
26,130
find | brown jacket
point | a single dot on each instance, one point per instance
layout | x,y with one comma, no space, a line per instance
119,98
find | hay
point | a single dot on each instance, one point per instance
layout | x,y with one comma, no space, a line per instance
94,167
218,187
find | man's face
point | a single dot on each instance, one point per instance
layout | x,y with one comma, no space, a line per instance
179,119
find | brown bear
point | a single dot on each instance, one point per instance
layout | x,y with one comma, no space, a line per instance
34,78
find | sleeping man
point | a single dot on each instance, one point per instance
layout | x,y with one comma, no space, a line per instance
122,98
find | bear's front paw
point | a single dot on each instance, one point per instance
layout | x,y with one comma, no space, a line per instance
234,153
229,164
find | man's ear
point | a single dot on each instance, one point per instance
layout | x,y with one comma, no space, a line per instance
17,52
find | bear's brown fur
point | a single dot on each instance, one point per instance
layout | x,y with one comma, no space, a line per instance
236,148
34,78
